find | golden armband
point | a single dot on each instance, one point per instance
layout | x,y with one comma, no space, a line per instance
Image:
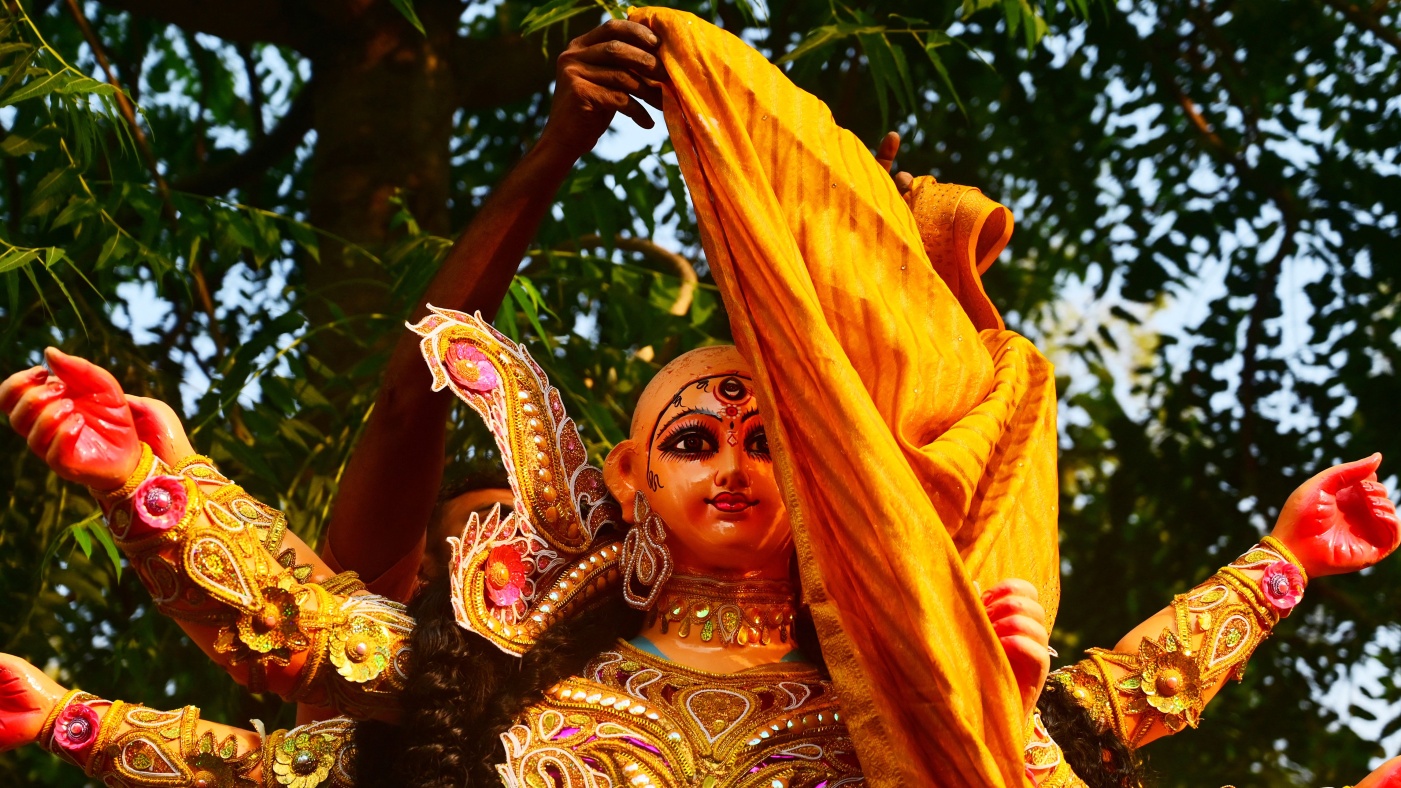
205,558
1218,626
131,745
1045,764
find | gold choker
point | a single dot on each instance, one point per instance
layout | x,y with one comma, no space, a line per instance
736,612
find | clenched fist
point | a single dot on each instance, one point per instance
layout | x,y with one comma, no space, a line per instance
1340,521
75,416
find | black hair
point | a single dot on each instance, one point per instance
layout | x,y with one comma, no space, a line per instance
463,693
1097,756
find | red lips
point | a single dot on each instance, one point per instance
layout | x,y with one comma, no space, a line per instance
732,502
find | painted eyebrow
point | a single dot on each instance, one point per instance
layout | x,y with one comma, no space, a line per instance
683,414
751,414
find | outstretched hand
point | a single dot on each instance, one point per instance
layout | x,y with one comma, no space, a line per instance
1020,623
603,72
1341,520
26,698
76,418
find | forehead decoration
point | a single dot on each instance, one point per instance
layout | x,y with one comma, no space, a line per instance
733,391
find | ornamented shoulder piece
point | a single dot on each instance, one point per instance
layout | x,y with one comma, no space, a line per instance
514,576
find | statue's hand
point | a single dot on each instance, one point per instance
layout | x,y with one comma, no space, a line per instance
885,157
76,418
603,72
1388,775
159,427
1020,623
26,698
1340,520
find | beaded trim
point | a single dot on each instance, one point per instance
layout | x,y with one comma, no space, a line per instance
734,613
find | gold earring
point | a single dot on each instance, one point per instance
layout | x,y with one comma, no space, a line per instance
646,559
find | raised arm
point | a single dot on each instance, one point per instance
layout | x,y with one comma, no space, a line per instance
387,496
1162,674
128,744
211,556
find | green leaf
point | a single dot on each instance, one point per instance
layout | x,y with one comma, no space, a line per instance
110,548
553,13
16,257
931,51
820,37
84,540
37,88
405,7
24,144
87,85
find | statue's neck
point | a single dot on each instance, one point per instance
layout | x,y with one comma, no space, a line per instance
722,626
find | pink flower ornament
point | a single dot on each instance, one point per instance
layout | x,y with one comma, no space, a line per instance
469,368
160,504
76,730
1283,585
505,576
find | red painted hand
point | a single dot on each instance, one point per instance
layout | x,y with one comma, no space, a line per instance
1388,775
76,418
26,698
1340,520
1020,623
158,427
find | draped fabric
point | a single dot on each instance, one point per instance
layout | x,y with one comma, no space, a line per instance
916,454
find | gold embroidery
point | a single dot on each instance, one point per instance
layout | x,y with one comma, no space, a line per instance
632,719
512,577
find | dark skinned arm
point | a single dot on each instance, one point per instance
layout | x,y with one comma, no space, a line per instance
390,487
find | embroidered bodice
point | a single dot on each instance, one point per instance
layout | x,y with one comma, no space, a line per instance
633,719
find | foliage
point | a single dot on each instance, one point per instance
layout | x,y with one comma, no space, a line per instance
1206,196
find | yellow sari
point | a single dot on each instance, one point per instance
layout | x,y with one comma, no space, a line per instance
916,453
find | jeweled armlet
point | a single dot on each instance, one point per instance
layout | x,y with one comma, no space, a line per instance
1218,626
514,576
1044,761
124,744
205,560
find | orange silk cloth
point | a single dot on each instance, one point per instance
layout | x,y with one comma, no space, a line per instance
917,455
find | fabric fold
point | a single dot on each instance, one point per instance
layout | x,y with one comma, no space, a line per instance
917,455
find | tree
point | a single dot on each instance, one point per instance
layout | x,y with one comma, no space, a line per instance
1218,176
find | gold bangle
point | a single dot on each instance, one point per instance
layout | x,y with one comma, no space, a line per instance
1287,554
106,731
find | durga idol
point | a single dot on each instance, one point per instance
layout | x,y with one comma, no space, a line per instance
823,557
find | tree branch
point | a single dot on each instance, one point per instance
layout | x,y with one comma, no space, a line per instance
262,154
247,20
124,104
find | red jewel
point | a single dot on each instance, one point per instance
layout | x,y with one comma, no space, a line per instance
158,501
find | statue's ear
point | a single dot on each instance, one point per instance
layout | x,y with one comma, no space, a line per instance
622,473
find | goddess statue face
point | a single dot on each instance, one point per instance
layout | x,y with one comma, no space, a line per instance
699,453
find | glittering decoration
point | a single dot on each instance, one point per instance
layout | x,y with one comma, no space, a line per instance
470,368
634,720
75,730
1219,624
1283,585
561,502
733,613
309,756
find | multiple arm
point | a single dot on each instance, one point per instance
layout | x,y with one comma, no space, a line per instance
1161,675
395,472
128,744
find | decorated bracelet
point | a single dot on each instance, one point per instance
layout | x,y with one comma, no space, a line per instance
1227,617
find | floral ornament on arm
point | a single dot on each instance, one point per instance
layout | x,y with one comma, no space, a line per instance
514,576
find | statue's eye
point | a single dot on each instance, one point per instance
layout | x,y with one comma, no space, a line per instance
757,443
690,442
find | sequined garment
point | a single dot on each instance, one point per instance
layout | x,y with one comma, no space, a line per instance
633,719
